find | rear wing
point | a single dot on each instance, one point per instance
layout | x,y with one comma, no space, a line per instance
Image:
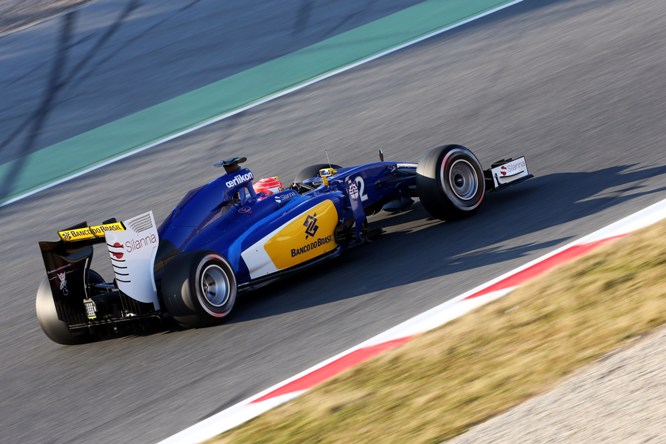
132,247
83,232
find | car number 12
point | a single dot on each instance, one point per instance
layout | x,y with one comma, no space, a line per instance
360,183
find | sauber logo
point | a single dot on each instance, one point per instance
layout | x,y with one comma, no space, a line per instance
310,225
239,180
60,278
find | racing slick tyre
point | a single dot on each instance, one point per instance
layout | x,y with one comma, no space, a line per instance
198,289
47,315
450,182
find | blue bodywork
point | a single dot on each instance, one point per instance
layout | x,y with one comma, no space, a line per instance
224,237
227,216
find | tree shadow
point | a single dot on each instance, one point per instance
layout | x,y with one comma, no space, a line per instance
58,80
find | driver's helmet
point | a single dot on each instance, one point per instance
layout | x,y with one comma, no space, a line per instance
268,186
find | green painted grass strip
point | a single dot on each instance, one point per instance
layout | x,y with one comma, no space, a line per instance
151,126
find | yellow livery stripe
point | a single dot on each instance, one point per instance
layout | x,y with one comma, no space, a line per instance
99,230
305,237
85,233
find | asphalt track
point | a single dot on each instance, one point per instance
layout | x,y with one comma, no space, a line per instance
113,58
33,170
577,86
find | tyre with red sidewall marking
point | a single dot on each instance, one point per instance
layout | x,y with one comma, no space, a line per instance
450,182
198,289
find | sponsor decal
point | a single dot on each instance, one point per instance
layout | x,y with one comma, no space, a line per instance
77,234
241,178
353,190
311,246
245,210
132,254
85,233
122,252
118,250
284,197
515,167
142,242
310,225
305,237
60,278
101,230
510,171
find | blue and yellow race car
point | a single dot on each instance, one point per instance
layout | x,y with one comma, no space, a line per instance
235,233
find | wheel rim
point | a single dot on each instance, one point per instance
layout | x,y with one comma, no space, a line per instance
463,180
215,286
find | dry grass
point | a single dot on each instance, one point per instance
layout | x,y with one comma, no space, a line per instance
446,381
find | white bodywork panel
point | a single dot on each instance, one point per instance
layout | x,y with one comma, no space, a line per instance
509,172
256,258
132,255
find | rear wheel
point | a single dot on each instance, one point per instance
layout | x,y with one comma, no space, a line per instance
53,327
449,182
198,289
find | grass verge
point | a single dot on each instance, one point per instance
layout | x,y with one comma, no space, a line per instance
446,381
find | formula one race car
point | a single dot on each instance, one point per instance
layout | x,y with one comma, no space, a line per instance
230,235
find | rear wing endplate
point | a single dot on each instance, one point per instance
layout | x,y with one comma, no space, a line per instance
132,246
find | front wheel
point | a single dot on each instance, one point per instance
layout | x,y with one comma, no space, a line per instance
198,289
450,182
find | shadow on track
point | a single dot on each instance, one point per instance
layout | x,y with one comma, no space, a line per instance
417,248
422,248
